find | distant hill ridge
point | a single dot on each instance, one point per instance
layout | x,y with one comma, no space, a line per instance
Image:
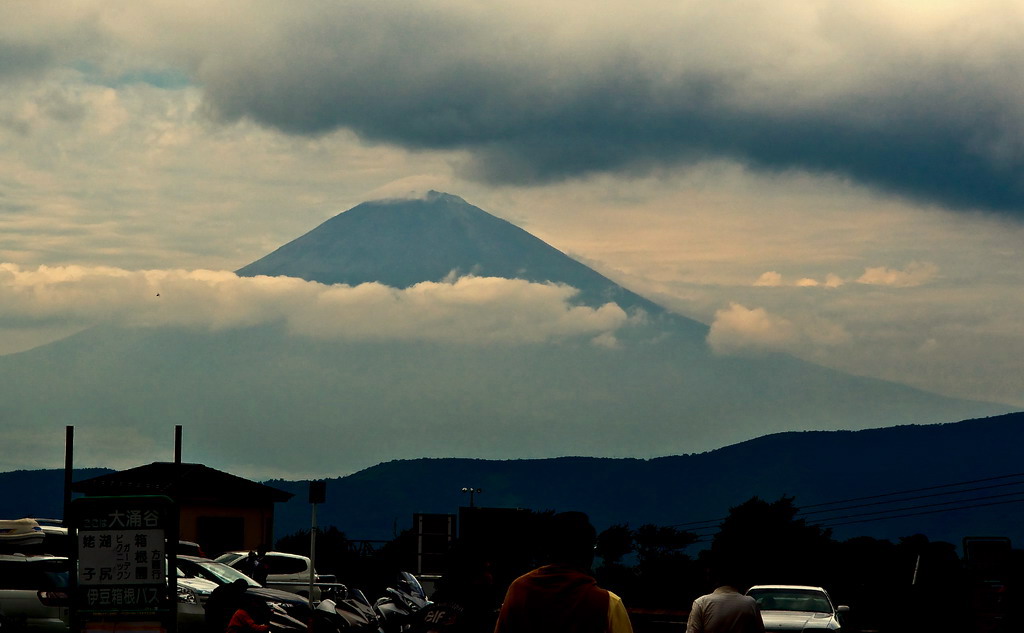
813,466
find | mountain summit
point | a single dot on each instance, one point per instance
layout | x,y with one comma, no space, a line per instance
400,243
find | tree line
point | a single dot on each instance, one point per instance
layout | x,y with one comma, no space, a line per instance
913,583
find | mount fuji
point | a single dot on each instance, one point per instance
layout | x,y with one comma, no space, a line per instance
262,400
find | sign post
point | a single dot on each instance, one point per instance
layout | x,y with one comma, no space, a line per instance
122,547
317,494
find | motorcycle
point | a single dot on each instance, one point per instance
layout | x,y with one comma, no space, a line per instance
282,622
401,606
351,611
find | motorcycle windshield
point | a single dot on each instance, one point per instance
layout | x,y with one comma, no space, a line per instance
358,596
410,585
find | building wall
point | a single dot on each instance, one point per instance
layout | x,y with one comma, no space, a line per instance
224,527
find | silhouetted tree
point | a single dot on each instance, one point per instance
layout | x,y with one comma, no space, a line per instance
762,542
614,544
336,554
662,572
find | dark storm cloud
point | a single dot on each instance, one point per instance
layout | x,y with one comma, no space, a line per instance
522,129
920,100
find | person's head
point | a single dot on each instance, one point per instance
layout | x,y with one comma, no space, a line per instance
258,609
571,539
728,574
261,550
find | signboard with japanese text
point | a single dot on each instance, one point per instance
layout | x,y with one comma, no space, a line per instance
121,550
115,565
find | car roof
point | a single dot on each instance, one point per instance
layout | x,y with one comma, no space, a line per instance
270,553
804,587
31,557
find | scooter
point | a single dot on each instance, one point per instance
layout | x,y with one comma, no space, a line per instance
350,612
281,622
401,605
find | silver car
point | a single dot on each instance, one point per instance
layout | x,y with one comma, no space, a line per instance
33,593
787,608
288,572
34,596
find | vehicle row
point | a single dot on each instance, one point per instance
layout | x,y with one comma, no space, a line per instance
34,598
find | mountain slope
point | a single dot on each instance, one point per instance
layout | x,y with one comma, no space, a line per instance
401,243
262,400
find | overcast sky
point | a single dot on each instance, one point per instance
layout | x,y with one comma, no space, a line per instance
839,180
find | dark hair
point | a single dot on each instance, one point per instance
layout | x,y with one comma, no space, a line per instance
570,539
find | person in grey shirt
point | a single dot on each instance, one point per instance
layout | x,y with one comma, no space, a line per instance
725,610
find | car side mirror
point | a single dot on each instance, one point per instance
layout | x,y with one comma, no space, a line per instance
842,609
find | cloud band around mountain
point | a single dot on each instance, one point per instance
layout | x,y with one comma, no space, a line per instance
473,310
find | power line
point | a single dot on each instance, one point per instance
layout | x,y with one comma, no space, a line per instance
926,505
934,494
707,538
695,525
914,514
902,492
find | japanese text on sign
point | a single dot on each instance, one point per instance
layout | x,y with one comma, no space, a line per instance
122,520
122,597
120,557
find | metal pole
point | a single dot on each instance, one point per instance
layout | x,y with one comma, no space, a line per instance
177,443
312,553
69,454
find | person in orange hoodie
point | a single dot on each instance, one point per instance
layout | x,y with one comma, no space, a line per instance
245,617
563,597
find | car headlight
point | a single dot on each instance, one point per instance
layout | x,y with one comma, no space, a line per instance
187,595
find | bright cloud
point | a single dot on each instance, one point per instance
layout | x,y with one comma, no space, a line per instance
833,281
770,279
916,274
739,329
465,310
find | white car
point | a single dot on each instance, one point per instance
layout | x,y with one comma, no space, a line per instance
33,593
288,572
192,596
34,596
786,608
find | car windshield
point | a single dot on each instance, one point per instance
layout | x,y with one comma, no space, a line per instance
229,558
46,574
217,572
791,600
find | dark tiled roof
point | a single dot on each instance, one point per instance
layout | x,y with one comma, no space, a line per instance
181,482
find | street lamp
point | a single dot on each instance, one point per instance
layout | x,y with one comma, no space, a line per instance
472,491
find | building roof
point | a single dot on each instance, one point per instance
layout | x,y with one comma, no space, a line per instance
181,482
